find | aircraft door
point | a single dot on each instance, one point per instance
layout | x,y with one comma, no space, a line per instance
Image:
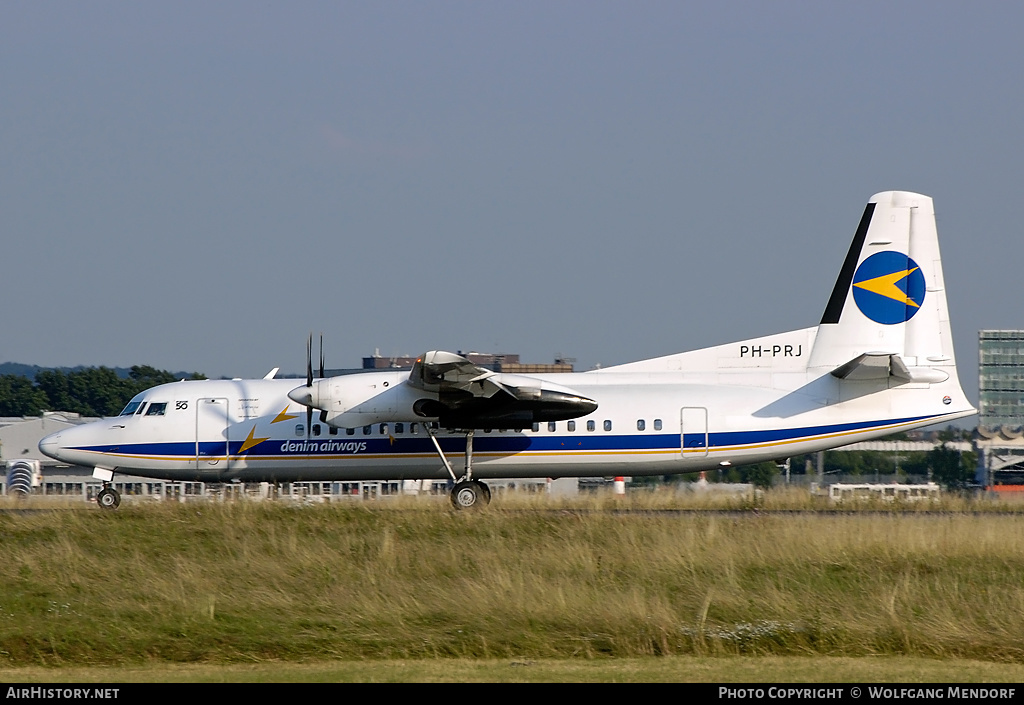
212,422
693,434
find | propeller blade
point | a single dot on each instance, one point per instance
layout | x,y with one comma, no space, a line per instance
309,383
309,361
306,399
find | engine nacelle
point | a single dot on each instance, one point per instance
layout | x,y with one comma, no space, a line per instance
394,403
360,399
503,401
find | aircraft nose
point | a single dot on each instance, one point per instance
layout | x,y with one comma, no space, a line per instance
50,446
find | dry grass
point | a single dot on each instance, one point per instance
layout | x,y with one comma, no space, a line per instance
528,578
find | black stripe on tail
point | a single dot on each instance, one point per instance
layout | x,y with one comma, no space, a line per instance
835,303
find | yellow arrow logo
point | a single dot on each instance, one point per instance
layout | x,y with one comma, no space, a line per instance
284,416
251,441
885,285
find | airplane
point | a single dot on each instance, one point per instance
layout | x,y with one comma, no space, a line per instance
880,361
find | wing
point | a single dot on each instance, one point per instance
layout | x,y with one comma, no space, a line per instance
470,396
439,371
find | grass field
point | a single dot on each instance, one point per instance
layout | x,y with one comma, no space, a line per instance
538,581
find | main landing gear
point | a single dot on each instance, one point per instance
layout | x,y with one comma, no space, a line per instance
108,498
467,493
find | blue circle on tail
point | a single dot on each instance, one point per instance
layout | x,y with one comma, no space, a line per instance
889,287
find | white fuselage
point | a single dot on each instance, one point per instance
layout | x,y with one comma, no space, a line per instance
646,423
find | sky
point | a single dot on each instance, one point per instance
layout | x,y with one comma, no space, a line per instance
199,185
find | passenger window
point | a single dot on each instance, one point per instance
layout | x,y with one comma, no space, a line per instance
570,426
657,424
535,427
591,426
607,425
367,430
551,426
640,424
383,429
412,429
299,429
350,432
334,430
316,429
399,428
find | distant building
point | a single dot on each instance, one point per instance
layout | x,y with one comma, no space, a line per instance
20,435
1001,378
498,362
1001,408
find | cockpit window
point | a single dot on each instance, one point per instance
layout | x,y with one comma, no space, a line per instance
156,409
131,408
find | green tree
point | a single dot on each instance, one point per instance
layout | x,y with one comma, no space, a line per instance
850,463
914,463
55,386
143,377
761,475
19,397
951,468
98,391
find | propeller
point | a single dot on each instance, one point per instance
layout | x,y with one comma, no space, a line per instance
309,381
323,412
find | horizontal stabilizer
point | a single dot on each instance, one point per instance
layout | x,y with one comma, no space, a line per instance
866,366
882,365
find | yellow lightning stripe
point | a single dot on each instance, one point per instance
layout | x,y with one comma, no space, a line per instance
250,441
885,285
284,416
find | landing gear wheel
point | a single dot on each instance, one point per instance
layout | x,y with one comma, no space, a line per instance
487,492
469,495
108,498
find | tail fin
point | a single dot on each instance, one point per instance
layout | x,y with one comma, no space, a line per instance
890,299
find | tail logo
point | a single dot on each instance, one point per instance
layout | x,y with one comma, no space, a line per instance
889,287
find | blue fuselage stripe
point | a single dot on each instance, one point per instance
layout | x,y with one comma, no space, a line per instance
484,443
